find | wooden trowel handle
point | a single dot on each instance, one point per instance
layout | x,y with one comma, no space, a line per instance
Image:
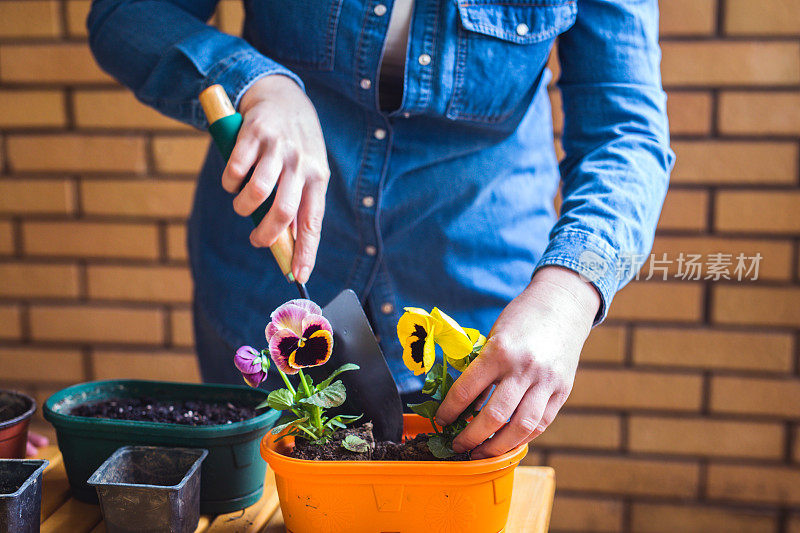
224,124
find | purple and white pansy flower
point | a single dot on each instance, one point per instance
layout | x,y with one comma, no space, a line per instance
299,336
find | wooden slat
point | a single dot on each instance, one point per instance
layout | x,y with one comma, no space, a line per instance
55,490
50,453
252,519
73,516
275,524
99,528
202,524
532,500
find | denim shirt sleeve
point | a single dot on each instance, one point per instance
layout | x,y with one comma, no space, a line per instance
616,140
166,54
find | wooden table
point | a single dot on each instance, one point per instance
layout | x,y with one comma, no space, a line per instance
530,505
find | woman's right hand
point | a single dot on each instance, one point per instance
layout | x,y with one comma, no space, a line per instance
281,139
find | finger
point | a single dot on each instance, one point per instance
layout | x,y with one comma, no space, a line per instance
282,212
308,229
30,449
260,186
243,157
520,429
476,378
550,412
501,405
37,439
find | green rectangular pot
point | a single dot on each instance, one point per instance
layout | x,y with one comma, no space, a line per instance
232,474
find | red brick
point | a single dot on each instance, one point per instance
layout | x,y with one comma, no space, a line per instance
765,17
30,280
659,301
77,11
52,62
758,212
668,518
180,155
687,17
28,196
689,112
776,485
766,306
90,239
756,396
705,437
119,109
182,329
581,431
160,366
735,162
586,514
41,364
29,19
140,283
713,349
150,198
684,210
605,344
176,242
31,108
623,475
10,322
78,153
6,237
725,63
769,113
97,324
631,389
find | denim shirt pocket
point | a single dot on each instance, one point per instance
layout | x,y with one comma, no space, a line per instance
294,33
503,47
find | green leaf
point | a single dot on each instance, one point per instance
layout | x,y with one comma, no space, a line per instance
344,368
280,399
277,429
263,404
426,409
439,447
333,395
355,444
433,379
448,380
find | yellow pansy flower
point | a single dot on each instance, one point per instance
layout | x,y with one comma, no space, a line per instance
415,329
452,338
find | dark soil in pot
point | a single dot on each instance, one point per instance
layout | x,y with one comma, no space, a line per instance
415,449
12,406
186,412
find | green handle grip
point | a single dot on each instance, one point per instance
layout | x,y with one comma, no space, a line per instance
224,131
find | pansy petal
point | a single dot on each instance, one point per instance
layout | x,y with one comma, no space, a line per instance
451,337
281,346
315,351
255,379
289,316
271,330
308,305
313,323
475,337
244,357
414,329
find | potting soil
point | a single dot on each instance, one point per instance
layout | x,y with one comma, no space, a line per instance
186,412
415,449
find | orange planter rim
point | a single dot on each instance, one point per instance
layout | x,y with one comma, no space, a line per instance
413,425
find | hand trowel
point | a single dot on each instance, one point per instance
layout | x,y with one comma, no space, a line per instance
370,390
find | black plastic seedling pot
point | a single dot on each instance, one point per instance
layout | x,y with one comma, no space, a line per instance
233,472
20,494
149,489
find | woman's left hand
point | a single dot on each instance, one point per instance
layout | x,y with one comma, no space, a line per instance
531,356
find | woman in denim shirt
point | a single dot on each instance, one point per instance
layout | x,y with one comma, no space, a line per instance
442,196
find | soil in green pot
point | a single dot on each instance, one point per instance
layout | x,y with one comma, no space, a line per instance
415,449
185,412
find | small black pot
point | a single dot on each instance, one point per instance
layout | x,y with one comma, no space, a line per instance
150,489
20,494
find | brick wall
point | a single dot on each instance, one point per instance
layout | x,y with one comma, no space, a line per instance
686,411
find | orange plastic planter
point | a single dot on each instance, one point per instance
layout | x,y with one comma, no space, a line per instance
393,496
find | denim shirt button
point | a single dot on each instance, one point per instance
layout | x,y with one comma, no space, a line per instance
406,115
380,134
370,250
365,84
424,60
379,10
522,29
387,308
368,201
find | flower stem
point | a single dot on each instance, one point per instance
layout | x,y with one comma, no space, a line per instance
316,411
434,425
286,380
445,388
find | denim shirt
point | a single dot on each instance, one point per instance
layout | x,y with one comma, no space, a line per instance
448,200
